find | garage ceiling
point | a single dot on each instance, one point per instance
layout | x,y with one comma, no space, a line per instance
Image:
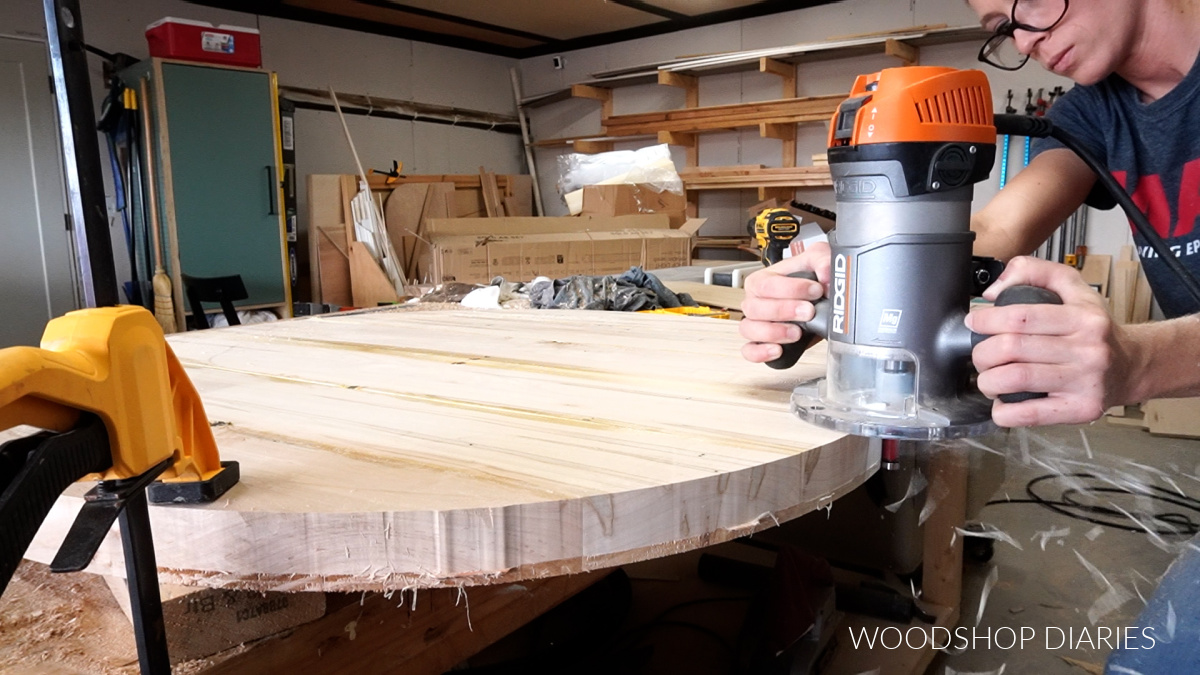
515,28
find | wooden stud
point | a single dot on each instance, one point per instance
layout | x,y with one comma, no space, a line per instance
783,194
768,65
786,71
691,87
492,201
588,91
675,138
907,53
601,94
1122,290
689,83
687,141
591,147
1143,298
784,132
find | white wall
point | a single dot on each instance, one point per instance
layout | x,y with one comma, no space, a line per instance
307,55
726,211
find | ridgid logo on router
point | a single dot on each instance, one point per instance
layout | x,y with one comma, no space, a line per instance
1003,638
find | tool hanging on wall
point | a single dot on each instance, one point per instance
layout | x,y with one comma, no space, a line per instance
118,123
1030,109
390,176
1063,245
1008,108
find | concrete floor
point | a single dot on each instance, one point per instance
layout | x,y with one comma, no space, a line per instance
1051,591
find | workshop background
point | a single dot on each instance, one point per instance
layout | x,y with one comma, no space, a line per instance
1026,583
316,57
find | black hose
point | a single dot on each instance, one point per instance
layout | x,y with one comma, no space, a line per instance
1041,127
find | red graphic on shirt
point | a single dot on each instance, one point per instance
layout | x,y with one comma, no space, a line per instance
1151,198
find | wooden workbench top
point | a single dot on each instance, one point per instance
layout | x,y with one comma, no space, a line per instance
406,449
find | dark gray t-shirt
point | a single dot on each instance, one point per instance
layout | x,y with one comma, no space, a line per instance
1154,151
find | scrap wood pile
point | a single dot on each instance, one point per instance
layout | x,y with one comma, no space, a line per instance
1122,281
397,237
355,261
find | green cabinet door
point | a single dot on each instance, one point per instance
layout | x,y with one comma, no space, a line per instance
223,177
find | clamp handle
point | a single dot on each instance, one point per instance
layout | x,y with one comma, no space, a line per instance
33,472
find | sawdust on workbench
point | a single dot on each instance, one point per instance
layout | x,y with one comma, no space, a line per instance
66,624
70,624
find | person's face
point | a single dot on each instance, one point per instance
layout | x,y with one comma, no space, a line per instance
1084,46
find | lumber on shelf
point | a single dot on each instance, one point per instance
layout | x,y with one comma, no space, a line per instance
722,178
581,143
723,117
461,181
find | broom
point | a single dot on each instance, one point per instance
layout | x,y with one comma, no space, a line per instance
164,303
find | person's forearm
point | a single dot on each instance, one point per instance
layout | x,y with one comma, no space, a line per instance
994,242
1026,212
1165,359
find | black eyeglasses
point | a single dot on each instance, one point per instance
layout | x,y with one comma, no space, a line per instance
1033,16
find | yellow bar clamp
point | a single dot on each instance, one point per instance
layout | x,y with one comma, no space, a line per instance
114,362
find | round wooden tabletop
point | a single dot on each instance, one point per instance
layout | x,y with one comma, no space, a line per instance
413,449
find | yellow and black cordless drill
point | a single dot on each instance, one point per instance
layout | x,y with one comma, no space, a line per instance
773,229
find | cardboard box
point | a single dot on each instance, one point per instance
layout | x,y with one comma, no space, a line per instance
545,225
480,257
627,199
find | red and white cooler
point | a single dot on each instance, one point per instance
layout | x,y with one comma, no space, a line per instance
188,40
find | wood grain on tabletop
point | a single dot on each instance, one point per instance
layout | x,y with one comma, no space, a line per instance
422,449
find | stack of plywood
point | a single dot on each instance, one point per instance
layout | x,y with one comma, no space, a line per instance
1129,293
1125,285
1122,282
1161,416
344,275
